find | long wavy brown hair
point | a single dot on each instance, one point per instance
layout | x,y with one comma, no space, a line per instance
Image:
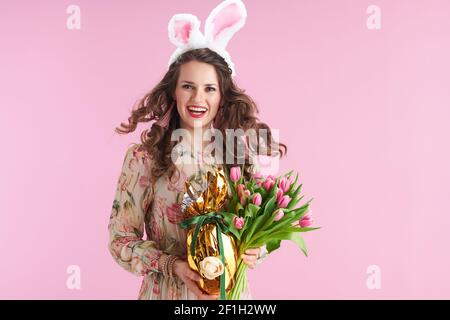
240,110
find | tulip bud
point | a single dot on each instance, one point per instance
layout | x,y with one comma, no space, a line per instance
284,184
268,184
238,222
235,174
257,199
278,215
283,202
279,195
240,190
307,220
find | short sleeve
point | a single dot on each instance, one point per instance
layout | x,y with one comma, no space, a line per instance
132,199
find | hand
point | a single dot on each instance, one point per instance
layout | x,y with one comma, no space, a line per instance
250,257
182,270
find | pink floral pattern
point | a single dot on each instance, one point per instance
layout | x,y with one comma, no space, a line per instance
174,214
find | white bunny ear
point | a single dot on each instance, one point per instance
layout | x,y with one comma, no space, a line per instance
224,21
184,30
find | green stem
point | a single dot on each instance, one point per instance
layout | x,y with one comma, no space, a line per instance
241,278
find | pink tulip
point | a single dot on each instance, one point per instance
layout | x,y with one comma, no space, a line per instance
235,174
240,190
257,199
238,222
271,177
307,220
243,200
268,184
259,183
284,184
280,195
247,193
283,202
278,215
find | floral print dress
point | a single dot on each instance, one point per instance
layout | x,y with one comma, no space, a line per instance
154,206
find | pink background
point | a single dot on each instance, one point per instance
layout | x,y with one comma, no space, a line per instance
364,114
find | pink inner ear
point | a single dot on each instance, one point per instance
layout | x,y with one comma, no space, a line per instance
227,17
182,30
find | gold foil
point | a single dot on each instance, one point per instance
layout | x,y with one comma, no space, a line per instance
208,245
210,198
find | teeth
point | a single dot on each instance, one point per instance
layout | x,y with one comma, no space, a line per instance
197,109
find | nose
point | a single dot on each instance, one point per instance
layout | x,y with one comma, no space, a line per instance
197,96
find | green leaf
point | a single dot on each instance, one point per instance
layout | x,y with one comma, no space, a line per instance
262,192
273,192
228,217
297,213
273,245
262,218
282,226
288,173
307,229
298,240
293,236
294,202
239,209
293,184
251,210
295,193
247,224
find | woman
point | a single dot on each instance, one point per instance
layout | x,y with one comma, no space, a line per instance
197,92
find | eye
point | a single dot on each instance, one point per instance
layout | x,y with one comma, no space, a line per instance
209,89
186,86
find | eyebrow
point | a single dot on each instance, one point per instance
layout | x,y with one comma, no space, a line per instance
208,84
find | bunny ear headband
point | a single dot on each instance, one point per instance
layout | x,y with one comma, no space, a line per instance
222,23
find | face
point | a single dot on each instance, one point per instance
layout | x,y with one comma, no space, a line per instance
197,94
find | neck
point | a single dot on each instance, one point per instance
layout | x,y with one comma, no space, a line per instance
194,139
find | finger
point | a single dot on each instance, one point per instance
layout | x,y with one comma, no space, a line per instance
250,258
246,256
255,251
191,274
250,264
191,285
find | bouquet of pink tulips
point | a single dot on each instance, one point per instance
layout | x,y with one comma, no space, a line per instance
263,211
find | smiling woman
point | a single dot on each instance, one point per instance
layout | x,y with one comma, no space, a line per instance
196,92
197,95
